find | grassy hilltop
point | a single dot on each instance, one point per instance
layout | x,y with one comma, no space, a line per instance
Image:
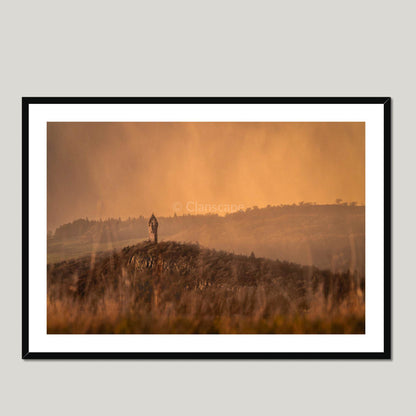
182,288
327,236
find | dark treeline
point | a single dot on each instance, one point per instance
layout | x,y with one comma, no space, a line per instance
104,230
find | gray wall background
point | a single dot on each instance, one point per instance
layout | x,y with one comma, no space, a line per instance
212,48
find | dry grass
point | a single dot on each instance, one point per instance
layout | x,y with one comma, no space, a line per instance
181,288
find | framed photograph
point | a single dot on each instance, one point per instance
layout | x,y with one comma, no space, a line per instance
206,228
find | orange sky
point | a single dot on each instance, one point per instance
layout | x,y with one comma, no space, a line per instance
131,169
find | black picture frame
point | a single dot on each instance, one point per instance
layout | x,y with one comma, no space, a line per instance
385,101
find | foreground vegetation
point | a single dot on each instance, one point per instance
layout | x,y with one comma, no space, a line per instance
183,288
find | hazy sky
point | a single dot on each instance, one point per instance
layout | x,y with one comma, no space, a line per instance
131,169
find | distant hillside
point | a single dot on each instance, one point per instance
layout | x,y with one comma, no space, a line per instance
182,288
327,236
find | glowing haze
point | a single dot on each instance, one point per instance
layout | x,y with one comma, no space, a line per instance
100,170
